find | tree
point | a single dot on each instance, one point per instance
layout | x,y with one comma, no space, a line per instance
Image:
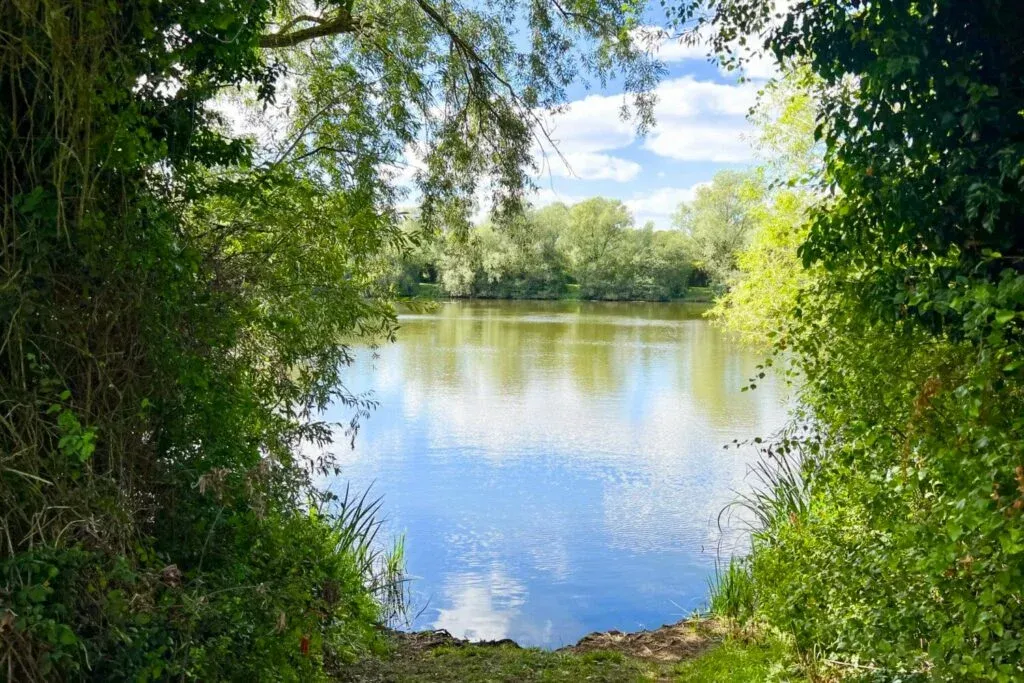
895,537
536,256
413,259
922,134
545,271
720,221
671,263
590,242
770,276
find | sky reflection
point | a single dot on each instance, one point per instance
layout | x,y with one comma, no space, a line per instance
557,467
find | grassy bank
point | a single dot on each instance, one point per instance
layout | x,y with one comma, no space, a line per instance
431,290
691,651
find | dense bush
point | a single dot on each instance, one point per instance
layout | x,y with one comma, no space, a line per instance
281,594
902,554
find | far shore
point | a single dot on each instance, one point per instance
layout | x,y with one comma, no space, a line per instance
695,295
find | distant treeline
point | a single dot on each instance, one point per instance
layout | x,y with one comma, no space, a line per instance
591,250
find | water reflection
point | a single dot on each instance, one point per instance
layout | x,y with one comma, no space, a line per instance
480,605
557,466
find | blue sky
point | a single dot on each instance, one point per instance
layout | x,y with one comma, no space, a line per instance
701,128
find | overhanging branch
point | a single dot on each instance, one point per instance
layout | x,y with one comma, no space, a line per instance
343,22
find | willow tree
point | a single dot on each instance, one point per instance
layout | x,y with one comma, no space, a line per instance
590,240
174,296
720,221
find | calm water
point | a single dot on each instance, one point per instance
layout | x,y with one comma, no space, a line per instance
557,467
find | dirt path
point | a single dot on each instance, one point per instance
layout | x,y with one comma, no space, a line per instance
669,644
612,657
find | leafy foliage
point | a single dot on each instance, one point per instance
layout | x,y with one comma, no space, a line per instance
907,558
591,247
768,278
721,220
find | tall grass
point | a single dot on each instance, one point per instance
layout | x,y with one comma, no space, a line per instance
780,494
782,485
732,591
357,522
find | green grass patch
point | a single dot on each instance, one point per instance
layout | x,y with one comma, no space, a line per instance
699,294
471,663
766,659
429,290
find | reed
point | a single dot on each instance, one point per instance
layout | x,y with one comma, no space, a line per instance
732,591
357,523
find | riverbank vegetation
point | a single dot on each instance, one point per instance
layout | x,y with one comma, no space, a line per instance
590,251
889,536
198,200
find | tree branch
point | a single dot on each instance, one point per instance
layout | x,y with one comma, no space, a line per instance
341,23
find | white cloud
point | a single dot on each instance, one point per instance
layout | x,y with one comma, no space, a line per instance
688,142
688,97
761,66
659,204
669,48
269,124
656,205
676,50
702,121
546,195
593,124
696,121
697,46
481,606
591,166
413,161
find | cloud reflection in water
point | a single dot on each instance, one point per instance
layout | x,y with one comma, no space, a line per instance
558,467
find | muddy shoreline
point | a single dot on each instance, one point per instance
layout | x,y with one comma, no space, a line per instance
667,644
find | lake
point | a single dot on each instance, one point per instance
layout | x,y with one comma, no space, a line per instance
558,467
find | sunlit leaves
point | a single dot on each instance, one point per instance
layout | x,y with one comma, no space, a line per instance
721,221
908,339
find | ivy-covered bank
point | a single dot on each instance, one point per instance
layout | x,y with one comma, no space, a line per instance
890,516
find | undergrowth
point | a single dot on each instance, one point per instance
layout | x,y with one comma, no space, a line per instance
162,364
